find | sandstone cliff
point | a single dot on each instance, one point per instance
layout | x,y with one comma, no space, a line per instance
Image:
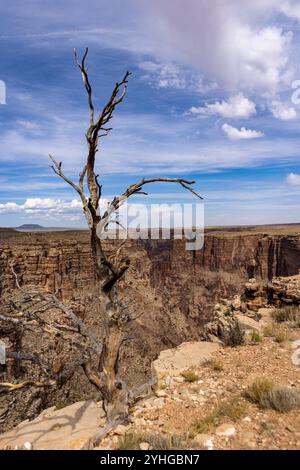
170,290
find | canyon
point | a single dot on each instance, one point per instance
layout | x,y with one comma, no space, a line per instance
171,291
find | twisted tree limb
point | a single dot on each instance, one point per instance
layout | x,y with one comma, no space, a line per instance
109,269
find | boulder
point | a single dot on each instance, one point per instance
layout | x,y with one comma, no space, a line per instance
66,429
248,324
226,430
172,362
204,441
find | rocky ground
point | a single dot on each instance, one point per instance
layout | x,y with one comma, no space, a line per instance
182,406
239,390
199,402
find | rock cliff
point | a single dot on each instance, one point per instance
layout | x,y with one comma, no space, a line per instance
171,291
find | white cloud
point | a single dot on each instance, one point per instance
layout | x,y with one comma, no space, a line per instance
238,46
236,107
49,209
40,205
171,75
283,111
262,59
293,179
163,75
30,125
238,134
291,9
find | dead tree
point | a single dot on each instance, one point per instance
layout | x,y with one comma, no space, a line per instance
109,269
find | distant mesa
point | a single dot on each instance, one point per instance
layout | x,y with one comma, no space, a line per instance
30,227
40,228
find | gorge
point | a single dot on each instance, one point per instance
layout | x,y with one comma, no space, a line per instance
171,292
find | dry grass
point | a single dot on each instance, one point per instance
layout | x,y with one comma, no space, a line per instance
277,332
255,337
270,330
258,389
156,441
269,396
215,364
190,375
287,314
233,409
281,336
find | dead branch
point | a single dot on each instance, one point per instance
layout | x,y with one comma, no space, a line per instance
135,188
91,375
15,275
109,269
27,383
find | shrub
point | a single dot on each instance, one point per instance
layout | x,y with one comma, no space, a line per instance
258,389
215,364
270,330
233,409
190,375
282,399
286,314
280,336
132,441
269,396
255,337
235,336
275,332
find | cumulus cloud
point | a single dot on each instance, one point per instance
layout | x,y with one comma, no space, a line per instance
237,47
236,107
238,134
283,111
291,9
293,179
41,205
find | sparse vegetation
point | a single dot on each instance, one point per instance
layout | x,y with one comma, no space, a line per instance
163,386
255,337
264,393
156,441
190,375
276,332
235,336
270,330
287,314
233,409
283,399
281,337
215,364
258,389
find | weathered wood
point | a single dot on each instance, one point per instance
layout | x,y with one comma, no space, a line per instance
109,270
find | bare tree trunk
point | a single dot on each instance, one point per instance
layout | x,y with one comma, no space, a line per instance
108,272
114,391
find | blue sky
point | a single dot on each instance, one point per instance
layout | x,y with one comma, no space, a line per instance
210,98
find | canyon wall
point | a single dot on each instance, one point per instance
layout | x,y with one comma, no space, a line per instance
171,291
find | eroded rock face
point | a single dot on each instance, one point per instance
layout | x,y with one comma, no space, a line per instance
172,292
252,309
